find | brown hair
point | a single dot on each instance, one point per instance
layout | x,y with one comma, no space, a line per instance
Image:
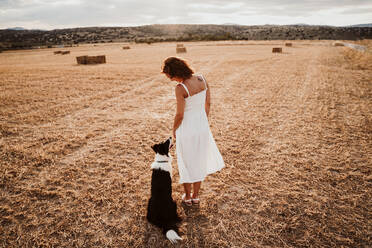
177,67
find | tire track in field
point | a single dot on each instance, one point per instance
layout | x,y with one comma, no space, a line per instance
101,93
146,84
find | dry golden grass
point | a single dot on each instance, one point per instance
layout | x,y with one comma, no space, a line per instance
295,130
358,59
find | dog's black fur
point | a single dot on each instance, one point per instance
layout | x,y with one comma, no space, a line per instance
162,210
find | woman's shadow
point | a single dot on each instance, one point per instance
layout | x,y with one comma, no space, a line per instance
194,222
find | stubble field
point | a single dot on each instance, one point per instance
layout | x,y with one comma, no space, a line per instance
294,129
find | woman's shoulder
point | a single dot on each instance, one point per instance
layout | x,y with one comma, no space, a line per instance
178,86
180,90
200,77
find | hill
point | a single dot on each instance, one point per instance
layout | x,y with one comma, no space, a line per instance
16,28
362,25
18,39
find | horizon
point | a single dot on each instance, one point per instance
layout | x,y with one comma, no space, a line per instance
50,15
223,24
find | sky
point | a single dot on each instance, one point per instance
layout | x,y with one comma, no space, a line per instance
57,14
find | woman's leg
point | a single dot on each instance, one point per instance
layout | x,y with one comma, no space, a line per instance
187,187
196,187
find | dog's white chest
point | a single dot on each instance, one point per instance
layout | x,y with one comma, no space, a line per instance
162,162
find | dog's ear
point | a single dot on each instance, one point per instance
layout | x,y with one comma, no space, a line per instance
164,148
166,143
155,148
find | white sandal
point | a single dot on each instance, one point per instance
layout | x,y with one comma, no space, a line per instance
195,201
187,202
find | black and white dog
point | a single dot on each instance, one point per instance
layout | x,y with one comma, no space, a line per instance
162,210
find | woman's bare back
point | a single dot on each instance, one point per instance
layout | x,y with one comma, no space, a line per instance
195,84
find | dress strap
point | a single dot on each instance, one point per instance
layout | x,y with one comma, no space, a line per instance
205,83
184,86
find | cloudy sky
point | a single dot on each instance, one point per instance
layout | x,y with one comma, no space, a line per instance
53,14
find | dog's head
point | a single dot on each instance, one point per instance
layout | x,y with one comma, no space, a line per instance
163,148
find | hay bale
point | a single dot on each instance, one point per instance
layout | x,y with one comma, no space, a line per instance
337,43
288,44
181,49
277,49
179,45
82,60
101,59
126,47
65,52
57,52
91,60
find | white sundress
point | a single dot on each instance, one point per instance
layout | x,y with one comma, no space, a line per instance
197,152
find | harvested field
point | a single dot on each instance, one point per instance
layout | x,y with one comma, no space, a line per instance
294,129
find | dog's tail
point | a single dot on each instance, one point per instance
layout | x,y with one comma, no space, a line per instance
172,236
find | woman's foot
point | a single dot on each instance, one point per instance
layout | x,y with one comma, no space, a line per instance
195,200
188,202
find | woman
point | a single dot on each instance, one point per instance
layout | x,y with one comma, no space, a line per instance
197,153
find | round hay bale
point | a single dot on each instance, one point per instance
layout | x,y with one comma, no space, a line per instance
180,49
277,49
288,44
126,47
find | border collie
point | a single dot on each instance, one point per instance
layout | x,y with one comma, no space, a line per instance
161,209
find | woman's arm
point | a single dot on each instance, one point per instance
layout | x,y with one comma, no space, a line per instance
208,100
180,97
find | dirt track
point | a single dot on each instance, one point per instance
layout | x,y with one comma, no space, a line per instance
294,130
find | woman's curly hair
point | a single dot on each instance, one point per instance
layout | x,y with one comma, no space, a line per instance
177,67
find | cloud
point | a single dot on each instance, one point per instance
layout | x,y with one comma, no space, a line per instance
356,11
73,13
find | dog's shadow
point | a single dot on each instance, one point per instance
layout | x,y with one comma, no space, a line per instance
190,229
153,236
